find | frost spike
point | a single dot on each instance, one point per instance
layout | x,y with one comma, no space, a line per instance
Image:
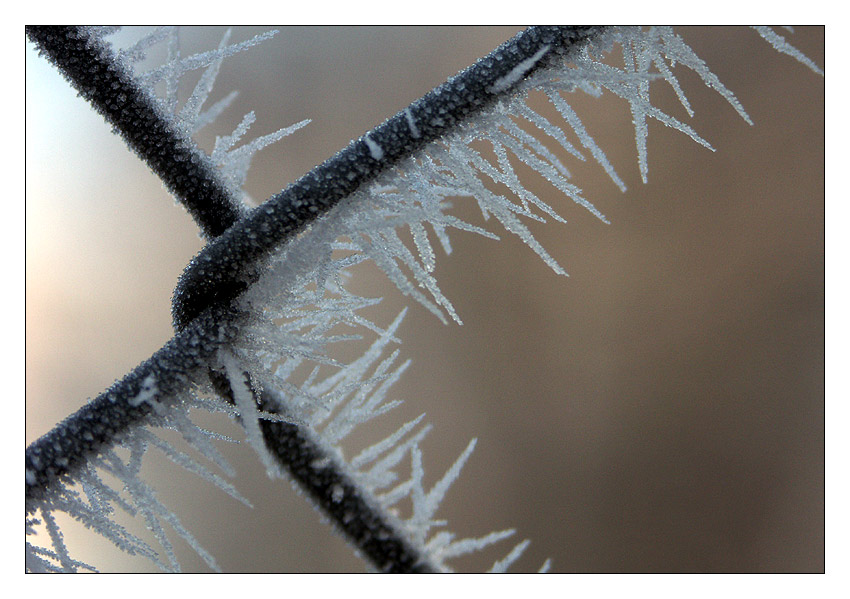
780,43
502,566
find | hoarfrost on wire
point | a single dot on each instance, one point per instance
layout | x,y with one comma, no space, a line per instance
302,295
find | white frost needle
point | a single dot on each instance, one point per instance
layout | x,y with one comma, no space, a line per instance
502,565
782,45
191,111
179,66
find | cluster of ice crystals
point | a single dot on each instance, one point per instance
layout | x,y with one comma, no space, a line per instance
301,301
190,118
334,406
304,285
92,501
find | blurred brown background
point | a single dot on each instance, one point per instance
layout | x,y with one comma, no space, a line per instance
660,410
